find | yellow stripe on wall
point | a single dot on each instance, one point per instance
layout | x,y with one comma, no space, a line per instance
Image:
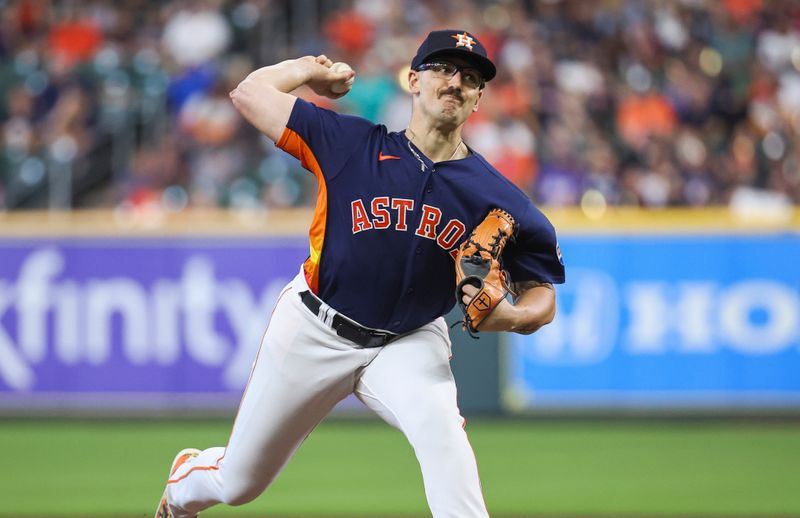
635,220
155,223
296,222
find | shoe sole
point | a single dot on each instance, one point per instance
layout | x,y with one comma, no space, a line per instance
162,511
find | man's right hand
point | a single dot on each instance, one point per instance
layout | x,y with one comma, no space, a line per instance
264,97
321,77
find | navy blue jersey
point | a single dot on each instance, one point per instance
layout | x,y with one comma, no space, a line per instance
388,221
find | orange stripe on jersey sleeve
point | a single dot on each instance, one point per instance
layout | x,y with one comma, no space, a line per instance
294,144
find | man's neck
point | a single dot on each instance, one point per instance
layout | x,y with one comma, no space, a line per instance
435,144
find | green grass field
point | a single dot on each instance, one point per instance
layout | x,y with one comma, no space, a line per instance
363,468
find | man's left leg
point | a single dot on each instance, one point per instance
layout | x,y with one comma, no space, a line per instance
410,385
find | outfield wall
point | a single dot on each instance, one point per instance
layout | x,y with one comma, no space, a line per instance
143,312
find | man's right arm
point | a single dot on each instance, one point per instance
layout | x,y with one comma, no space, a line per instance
263,97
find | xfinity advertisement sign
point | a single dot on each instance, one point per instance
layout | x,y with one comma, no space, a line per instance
88,320
643,322
667,322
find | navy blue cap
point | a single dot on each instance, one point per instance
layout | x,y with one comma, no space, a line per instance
458,43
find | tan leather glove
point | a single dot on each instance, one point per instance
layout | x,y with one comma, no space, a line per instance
478,263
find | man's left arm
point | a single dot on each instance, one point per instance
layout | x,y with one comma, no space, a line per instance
534,306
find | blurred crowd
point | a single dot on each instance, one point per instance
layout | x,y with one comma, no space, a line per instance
608,102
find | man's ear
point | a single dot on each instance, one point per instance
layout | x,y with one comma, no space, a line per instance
480,93
413,81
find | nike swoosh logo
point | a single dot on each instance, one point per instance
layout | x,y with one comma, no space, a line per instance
382,157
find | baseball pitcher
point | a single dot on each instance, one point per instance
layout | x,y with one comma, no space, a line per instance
403,221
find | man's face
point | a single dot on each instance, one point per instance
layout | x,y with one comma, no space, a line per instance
445,96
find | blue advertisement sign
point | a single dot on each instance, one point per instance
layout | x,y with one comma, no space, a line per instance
666,321
136,322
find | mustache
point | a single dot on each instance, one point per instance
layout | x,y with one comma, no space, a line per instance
455,92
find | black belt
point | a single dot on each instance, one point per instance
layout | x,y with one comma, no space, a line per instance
346,328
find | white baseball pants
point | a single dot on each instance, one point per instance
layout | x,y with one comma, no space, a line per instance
302,370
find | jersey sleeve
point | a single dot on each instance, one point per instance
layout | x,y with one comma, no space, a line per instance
321,139
535,255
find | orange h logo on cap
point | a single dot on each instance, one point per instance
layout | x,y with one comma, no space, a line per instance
464,40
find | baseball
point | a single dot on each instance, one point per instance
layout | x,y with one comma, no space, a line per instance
342,86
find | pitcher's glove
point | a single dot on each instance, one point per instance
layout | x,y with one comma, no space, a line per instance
478,263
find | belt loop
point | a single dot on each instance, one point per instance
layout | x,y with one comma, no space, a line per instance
326,314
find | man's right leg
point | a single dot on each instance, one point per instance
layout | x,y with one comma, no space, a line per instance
302,370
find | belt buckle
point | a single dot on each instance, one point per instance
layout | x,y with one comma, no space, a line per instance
384,337
369,339
357,335
364,337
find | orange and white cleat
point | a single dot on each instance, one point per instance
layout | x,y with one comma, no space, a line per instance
163,510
